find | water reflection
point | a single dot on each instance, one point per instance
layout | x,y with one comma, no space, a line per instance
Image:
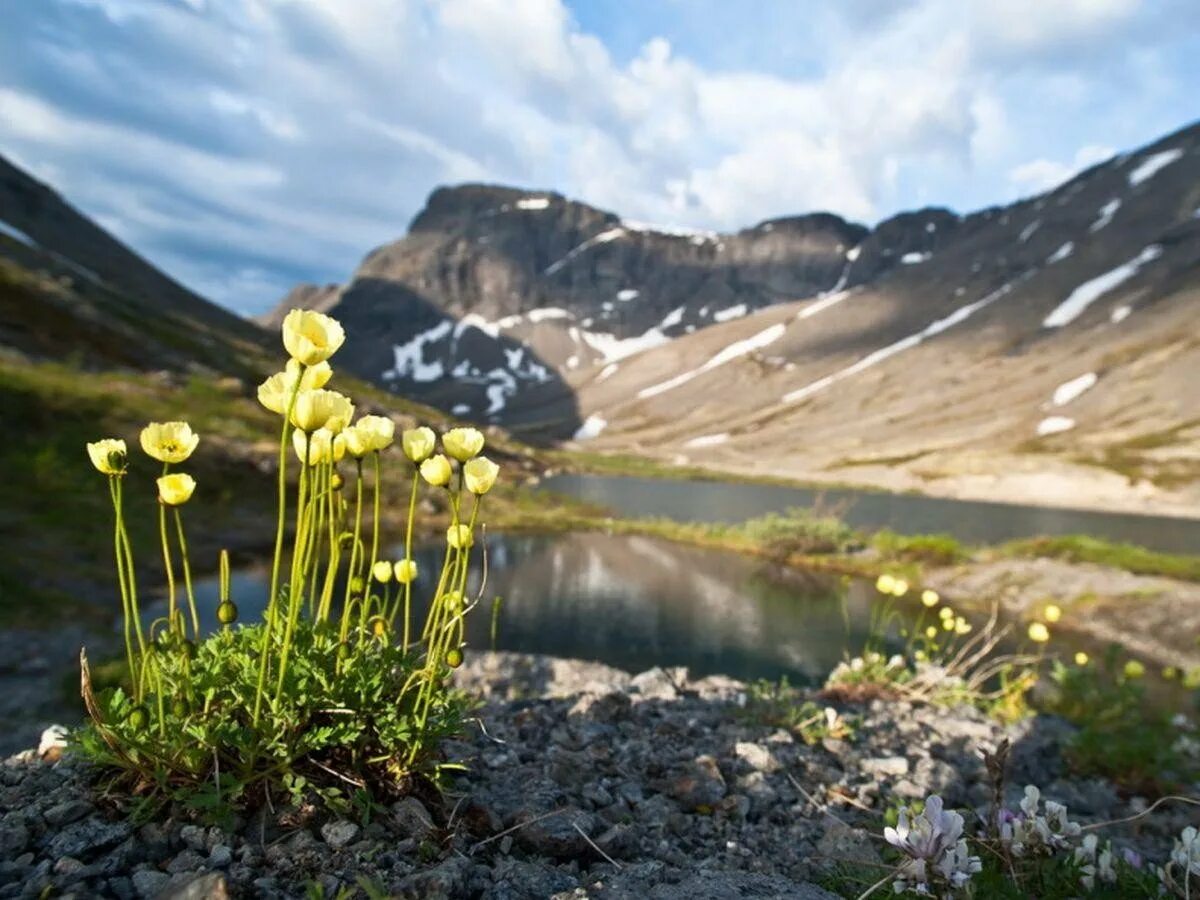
635,602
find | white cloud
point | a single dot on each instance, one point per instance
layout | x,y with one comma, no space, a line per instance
298,135
1040,175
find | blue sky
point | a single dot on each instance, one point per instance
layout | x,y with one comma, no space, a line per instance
246,145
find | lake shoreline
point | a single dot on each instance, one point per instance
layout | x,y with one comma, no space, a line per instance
1077,488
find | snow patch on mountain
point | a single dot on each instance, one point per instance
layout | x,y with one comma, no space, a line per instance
409,358
1107,211
591,427
708,440
1151,165
1069,390
912,259
1061,253
602,238
548,312
16,234
533,203
1091,291
733,351
733,312
907,343
1054,425
822,304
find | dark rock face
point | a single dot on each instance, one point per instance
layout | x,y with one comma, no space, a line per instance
495,295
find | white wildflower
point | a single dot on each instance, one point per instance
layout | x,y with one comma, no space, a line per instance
938,859
1036,832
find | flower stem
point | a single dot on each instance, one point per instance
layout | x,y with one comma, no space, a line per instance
187,575
355,549
118,552
269,616
166,552
408,539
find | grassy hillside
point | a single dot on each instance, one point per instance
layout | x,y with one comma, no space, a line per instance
81,361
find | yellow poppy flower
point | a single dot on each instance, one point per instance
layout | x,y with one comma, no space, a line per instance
931,632
1134,669
459,537
884,584
463,443
961,625
108,455
169,442
376,432
1081,658
480,474
322,445
1038,633
311,337
382,571
1052,613
405,570
276,392
899,587
418,443
946,613
437,471
321,408
930,598
176,489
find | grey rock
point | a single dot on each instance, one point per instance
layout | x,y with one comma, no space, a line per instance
701,785
88,838
220,856
66,812
562,835
209,886
446,881
412,819
842,844
185,861
192,836
658,684
885,765
757,757
14,837
709,886
150,883
339,833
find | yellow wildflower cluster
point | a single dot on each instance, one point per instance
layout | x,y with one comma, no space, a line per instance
319,425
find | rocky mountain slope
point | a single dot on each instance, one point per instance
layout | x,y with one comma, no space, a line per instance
69,288
497,298
1043,350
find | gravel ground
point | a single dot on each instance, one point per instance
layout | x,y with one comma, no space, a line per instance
586,783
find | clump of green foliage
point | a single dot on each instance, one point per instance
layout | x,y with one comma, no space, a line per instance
1130,557
336,699
1121,735
802,531
778,704
945,658
930,549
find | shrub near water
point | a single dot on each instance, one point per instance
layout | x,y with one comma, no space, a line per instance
335,696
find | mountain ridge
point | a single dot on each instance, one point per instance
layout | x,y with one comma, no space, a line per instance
641,341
